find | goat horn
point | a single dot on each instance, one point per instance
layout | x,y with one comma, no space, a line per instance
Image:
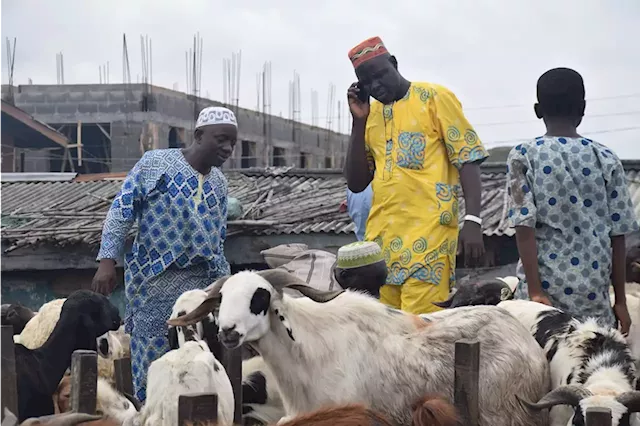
205,308
564,395
281,279
631,400
445,304
636,265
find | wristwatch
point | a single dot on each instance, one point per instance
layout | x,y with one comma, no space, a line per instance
473,218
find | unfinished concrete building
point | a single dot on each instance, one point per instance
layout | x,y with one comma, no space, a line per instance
116,123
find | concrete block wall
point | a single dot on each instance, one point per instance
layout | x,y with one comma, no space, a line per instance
121,106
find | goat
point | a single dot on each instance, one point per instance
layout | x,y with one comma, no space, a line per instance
590,365
67,419
16,315
109,402
428,411
260,396
485,292
39,328
85,315
368,353
189,369
206,330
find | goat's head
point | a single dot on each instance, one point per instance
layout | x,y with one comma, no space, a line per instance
17,316
93,315
245,301
580,398
487,292
207,329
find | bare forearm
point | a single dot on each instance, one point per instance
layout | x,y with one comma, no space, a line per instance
526,240
356,167
472,187
618,272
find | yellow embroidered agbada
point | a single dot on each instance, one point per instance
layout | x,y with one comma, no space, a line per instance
416,146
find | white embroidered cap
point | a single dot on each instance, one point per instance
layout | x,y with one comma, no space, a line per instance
216,115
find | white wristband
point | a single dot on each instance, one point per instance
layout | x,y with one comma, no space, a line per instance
473,218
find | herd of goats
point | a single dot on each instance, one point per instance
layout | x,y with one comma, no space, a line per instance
335,358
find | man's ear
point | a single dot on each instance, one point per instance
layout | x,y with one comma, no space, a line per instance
393,61
538,110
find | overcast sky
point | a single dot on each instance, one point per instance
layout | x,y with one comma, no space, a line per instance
490,53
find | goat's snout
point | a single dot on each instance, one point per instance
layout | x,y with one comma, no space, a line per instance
229,336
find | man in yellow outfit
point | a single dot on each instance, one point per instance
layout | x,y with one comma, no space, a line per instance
414,145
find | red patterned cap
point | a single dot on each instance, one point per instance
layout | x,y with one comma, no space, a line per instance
366,50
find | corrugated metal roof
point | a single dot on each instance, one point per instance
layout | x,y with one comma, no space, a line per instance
37,177
274,201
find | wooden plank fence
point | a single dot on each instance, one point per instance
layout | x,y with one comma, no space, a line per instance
202,409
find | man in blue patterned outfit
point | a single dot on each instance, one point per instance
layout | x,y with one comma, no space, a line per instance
571,208
179,199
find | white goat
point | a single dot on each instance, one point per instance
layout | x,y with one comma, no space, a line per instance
189,369
590,365
109,402
351,348
260,395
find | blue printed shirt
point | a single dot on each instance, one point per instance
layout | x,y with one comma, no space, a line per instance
181,216
358,205
574,192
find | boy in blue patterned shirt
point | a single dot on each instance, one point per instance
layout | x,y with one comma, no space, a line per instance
571,208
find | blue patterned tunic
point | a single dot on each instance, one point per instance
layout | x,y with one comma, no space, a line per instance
181,218
573,191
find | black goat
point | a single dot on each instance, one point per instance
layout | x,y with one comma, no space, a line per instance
85,315
16,315
484,292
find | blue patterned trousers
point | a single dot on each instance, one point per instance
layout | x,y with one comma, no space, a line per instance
149,305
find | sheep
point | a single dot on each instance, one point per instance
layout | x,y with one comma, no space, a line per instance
85,315
261,400
590,365
189,369
39,328
368,353
16,315
109,402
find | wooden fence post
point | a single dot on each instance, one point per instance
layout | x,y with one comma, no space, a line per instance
84,381
597,416
8,366
198,409
232,362
467,368
124,379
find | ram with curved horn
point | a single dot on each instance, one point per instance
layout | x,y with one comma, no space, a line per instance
342,347
591,366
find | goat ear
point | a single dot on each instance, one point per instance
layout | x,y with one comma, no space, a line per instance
172,336
91,329
315,294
